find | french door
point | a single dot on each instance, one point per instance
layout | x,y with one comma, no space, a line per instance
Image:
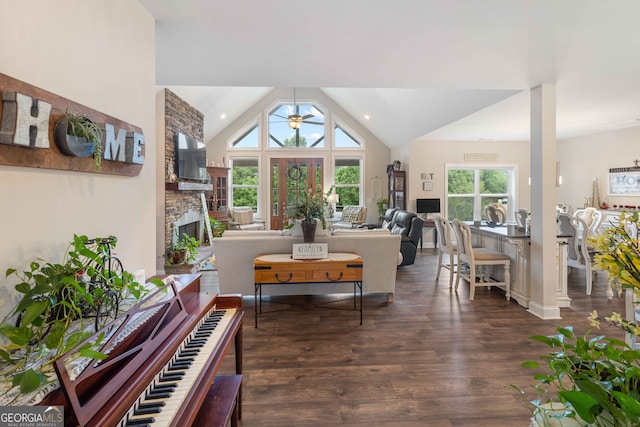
290,178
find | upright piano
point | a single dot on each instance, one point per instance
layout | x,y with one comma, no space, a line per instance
162,357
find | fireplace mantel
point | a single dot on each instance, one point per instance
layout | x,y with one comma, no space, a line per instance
187,186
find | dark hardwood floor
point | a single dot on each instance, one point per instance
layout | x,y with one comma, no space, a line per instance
430,358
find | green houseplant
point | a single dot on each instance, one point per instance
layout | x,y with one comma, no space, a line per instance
184,250
217,227
382,205
597,379
58,308
310,206
78,135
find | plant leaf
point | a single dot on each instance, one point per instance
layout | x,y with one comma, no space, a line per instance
629,405
585,405
18,335
28,380
87,352
34,311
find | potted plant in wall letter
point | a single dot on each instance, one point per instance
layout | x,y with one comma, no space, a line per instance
77,135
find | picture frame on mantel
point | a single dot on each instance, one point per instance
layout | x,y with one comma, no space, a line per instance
624,184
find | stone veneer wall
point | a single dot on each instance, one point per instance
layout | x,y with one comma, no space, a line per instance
179,117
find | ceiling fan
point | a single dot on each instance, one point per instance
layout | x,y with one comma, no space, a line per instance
295,120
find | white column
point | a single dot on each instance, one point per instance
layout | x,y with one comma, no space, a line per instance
544,277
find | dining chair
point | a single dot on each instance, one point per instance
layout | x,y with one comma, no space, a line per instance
447,247
521,218
578,254
591,217
496,213
479,257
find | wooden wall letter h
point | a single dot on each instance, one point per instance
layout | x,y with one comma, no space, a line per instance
25,120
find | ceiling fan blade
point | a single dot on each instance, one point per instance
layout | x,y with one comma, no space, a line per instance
282,117
313,123
308,116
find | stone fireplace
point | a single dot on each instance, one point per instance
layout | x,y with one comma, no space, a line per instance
190,223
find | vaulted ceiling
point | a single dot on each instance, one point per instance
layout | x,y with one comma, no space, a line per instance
421,69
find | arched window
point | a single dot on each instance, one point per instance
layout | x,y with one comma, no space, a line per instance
296,126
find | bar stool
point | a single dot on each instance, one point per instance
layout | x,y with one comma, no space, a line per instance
447,246
481,257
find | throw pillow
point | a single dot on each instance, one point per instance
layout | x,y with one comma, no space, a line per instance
243,217
350,213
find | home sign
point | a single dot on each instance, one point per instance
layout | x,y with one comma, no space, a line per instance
28,117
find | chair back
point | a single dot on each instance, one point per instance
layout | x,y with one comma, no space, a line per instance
463,240
585,215
445,234
495,213
387,221
521,218
576,231
596,225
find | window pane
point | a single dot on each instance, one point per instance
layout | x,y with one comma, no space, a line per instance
244,174
470,190
348,174
347,179
344,140
310,134
248,140
460,208
494,181
246,197
461,182
348,196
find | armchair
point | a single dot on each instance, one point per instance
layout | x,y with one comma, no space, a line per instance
409,226
241,218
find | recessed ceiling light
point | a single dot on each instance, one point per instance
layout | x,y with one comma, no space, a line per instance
366,116
223,116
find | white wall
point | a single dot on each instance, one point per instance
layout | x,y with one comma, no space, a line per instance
583,159
100,54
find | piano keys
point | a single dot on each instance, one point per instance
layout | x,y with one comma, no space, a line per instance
162,358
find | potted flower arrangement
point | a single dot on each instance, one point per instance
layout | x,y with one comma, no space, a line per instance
596,380
309,208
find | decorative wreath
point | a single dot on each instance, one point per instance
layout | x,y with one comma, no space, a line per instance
294,172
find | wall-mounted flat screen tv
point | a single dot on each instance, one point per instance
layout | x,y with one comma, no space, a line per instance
191,158
427,206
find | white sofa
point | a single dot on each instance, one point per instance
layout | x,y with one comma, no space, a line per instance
235,252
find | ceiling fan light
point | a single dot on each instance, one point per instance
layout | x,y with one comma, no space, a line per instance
294,124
